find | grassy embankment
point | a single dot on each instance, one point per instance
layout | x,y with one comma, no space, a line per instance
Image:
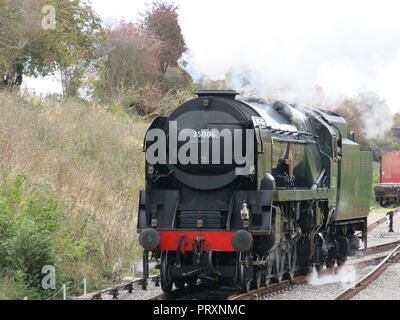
71,175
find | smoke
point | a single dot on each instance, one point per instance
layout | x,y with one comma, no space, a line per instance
294,50
346,276
376,115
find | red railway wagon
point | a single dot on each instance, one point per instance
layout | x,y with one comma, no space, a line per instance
388,191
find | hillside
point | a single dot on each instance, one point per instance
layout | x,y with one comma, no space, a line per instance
89,157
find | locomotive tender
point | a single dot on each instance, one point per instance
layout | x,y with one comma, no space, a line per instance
298,202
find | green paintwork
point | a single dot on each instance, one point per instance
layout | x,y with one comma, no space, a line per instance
349,174
355,172
299,195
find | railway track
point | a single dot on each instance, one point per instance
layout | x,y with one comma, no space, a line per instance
392,257
202,291
115,291
379,248
363,262
380,221
264,292
199,292
377,223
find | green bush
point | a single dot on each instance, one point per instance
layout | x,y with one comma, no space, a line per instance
32,236
28,251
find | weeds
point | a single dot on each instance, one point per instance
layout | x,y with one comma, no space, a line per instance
87,158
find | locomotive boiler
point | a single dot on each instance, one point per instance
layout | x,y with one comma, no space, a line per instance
248,192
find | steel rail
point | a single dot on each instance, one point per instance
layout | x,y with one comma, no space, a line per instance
200,291
365,262
162,296
114,290
379,248
380,221
349,293
377,223
261,293
177,294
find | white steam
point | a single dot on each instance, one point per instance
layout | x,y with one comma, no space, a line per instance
375,115
346,276
291,49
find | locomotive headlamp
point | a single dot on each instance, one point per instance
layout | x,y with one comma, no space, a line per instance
242,241
245,212
206,102
149,239
200,223
245,215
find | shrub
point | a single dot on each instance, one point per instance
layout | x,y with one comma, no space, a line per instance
28,251
149,102
31,223
175,79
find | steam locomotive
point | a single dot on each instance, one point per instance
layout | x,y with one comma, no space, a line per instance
248,192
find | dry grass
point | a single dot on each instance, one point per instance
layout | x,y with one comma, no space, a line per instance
149,102
91,156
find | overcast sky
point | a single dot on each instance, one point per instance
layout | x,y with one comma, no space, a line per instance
290,46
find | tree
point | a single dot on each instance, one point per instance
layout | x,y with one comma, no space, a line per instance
29,49
73,44
129,61
20,28
161,19
369,117
349,110
396,120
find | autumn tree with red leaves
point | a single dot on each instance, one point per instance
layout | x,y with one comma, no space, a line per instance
161,19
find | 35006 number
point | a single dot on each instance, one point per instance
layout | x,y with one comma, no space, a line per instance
206,133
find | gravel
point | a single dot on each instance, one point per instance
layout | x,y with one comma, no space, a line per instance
380,234
137,293
325,287
386,287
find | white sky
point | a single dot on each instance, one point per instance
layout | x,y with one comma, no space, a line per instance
342,46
